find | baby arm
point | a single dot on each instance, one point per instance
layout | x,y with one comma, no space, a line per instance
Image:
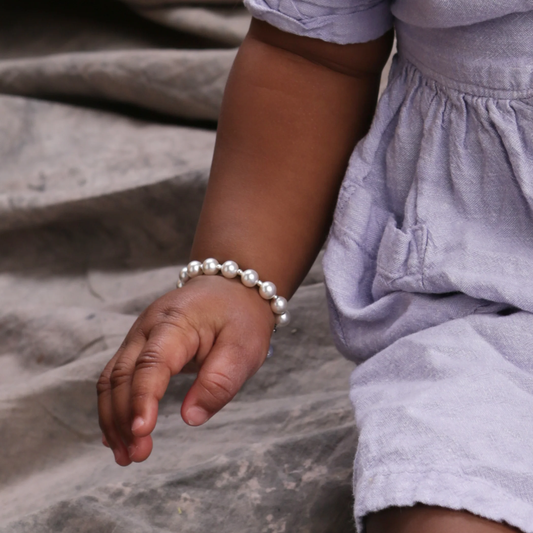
293,110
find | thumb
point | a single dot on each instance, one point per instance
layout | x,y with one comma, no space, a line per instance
222,374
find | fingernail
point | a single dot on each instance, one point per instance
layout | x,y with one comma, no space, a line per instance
138,422
117,456
104,441
196,416
131,450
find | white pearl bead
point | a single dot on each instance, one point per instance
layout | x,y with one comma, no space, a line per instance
179,285
230,269
284,319
184,276
210,267
267,290
194,268
249,278
279,305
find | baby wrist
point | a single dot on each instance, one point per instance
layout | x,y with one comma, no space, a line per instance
249,278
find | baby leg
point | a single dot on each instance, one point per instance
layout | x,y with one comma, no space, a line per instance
430,519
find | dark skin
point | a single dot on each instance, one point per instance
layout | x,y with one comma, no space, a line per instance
293,110
431,519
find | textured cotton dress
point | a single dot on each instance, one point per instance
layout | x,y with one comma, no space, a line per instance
429,263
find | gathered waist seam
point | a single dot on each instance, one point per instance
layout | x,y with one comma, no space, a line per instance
461,86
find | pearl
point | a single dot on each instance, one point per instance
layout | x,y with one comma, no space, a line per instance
279,305
210,267
194,268
249,278
267,290
184,276
284,319
230,269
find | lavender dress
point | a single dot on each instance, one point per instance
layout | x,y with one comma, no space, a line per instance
429,264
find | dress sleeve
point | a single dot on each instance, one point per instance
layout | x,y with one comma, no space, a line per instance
336,21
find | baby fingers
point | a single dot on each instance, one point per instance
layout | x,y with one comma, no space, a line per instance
169,348
111,435
223,373
134,382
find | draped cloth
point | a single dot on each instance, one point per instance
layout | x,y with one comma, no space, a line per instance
108,117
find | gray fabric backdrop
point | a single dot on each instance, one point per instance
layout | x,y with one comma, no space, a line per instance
106,134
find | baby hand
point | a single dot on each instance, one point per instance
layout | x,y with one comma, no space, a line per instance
220,324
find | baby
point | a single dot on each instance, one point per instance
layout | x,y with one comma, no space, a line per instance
415,263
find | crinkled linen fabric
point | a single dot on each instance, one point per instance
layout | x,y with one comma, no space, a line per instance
429,263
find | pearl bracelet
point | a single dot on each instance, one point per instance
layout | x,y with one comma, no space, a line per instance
249,278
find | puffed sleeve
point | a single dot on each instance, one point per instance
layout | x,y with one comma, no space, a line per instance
336,21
